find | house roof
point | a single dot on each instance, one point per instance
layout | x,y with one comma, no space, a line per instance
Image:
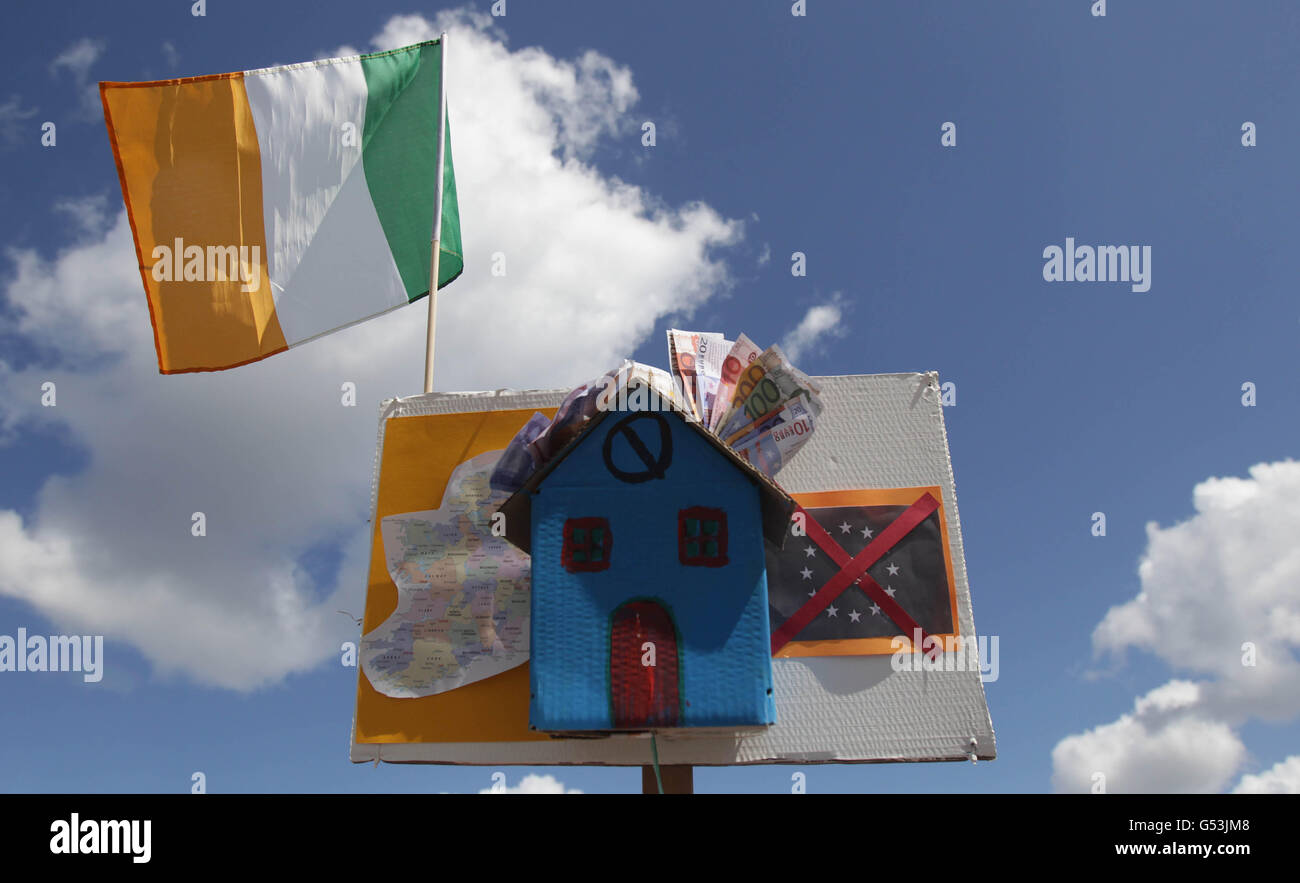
775,504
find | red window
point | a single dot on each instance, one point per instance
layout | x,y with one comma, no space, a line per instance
587,544
702,537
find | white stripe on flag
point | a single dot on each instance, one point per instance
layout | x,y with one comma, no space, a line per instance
328,258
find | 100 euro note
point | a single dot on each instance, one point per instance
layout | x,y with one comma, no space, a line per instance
763,388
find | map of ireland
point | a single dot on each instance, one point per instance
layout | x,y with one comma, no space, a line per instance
462,610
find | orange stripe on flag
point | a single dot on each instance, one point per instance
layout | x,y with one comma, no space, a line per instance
191,175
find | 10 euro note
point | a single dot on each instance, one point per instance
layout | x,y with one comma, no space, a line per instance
790,412
746,382
742,354
773,448
682,360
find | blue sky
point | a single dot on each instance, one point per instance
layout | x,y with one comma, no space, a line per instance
818,134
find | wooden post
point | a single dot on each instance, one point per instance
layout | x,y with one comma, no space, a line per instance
678,779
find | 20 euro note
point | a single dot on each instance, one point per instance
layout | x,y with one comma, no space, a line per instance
711,350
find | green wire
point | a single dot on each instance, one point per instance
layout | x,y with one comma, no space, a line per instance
654,750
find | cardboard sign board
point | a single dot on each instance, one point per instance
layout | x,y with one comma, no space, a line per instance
444,675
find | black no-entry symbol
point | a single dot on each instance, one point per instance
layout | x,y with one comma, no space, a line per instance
655,463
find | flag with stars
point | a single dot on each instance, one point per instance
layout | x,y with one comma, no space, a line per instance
908,583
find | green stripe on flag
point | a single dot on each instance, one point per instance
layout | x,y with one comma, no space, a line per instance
399,156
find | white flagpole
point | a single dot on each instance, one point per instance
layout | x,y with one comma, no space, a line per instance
437,212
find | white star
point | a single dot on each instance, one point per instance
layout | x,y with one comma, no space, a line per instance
889,590
810,594
806,573
854,616
866,533
810,551
845,527
832,611
875,611
893,569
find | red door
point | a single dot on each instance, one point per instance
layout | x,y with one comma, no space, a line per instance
643,695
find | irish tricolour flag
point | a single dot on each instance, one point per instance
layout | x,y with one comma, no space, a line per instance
272,206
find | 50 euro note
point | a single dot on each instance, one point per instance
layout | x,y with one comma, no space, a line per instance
632,386
578,407
638,387
518,462
742,354
772,448
657,381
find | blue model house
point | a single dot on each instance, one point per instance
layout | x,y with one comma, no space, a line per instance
649,580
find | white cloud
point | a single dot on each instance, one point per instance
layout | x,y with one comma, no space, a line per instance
534,784
1282,778
13,125
170,53
819,323
346,50
89,214
585,100
1223,578
1164,746
78,59
266,451
1217,592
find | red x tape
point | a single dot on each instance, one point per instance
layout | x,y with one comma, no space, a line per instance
854,570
